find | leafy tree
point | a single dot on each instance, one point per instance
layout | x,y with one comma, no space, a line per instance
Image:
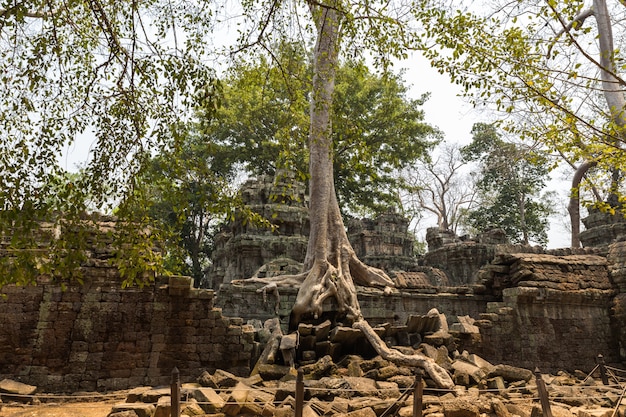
88,69
377,129
554,68
107,68
331,267
510,179
186,198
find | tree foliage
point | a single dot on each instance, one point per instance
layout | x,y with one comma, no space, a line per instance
554,69
509,184
110,73
377,129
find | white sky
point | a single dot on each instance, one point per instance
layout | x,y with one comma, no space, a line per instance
451,114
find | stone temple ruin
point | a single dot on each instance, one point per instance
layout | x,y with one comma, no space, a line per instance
510,304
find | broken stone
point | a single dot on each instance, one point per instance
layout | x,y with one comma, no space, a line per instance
270,372
496,384
465,325
14,387
511,373
460,366
238,396
191,408
319,369
163,407
224,379
322,330
127,413
153,395
499,409
459,407
140,409
206,380
210,401
134,395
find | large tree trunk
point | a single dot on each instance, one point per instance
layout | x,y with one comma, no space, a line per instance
573,207
331,267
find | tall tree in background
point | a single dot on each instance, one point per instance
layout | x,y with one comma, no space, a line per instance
554,69
441,187
509,185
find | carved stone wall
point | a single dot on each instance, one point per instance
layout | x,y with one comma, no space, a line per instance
242,248
383,242
602,228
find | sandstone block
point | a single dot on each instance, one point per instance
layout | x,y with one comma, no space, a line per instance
163,407
511,373
191,408
460,408
210,401
14,387
140,409
363,412
237,398
463,367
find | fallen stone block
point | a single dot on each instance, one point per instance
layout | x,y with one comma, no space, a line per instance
18,388
141,409
460,408
511,373
592,412
210,401
499,408
153,395
191,408
473,371
237,398
225,379
363,412
163,407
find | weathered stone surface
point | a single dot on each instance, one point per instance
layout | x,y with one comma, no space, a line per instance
127,413
473,371
210,401
140,409
163,407
236,399
191,408
511,373
499,408
225,379
460,408
10,386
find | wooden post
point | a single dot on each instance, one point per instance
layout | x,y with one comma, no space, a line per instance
543,394
175,393
418,393
601,364
299,393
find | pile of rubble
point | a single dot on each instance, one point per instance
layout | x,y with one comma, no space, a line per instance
357,387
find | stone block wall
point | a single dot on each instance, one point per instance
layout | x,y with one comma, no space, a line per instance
101,337
245,301
556,312
548,329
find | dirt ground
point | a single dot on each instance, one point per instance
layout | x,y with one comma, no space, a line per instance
89,409
86,406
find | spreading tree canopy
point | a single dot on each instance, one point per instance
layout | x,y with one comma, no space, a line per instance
262,125
555,70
